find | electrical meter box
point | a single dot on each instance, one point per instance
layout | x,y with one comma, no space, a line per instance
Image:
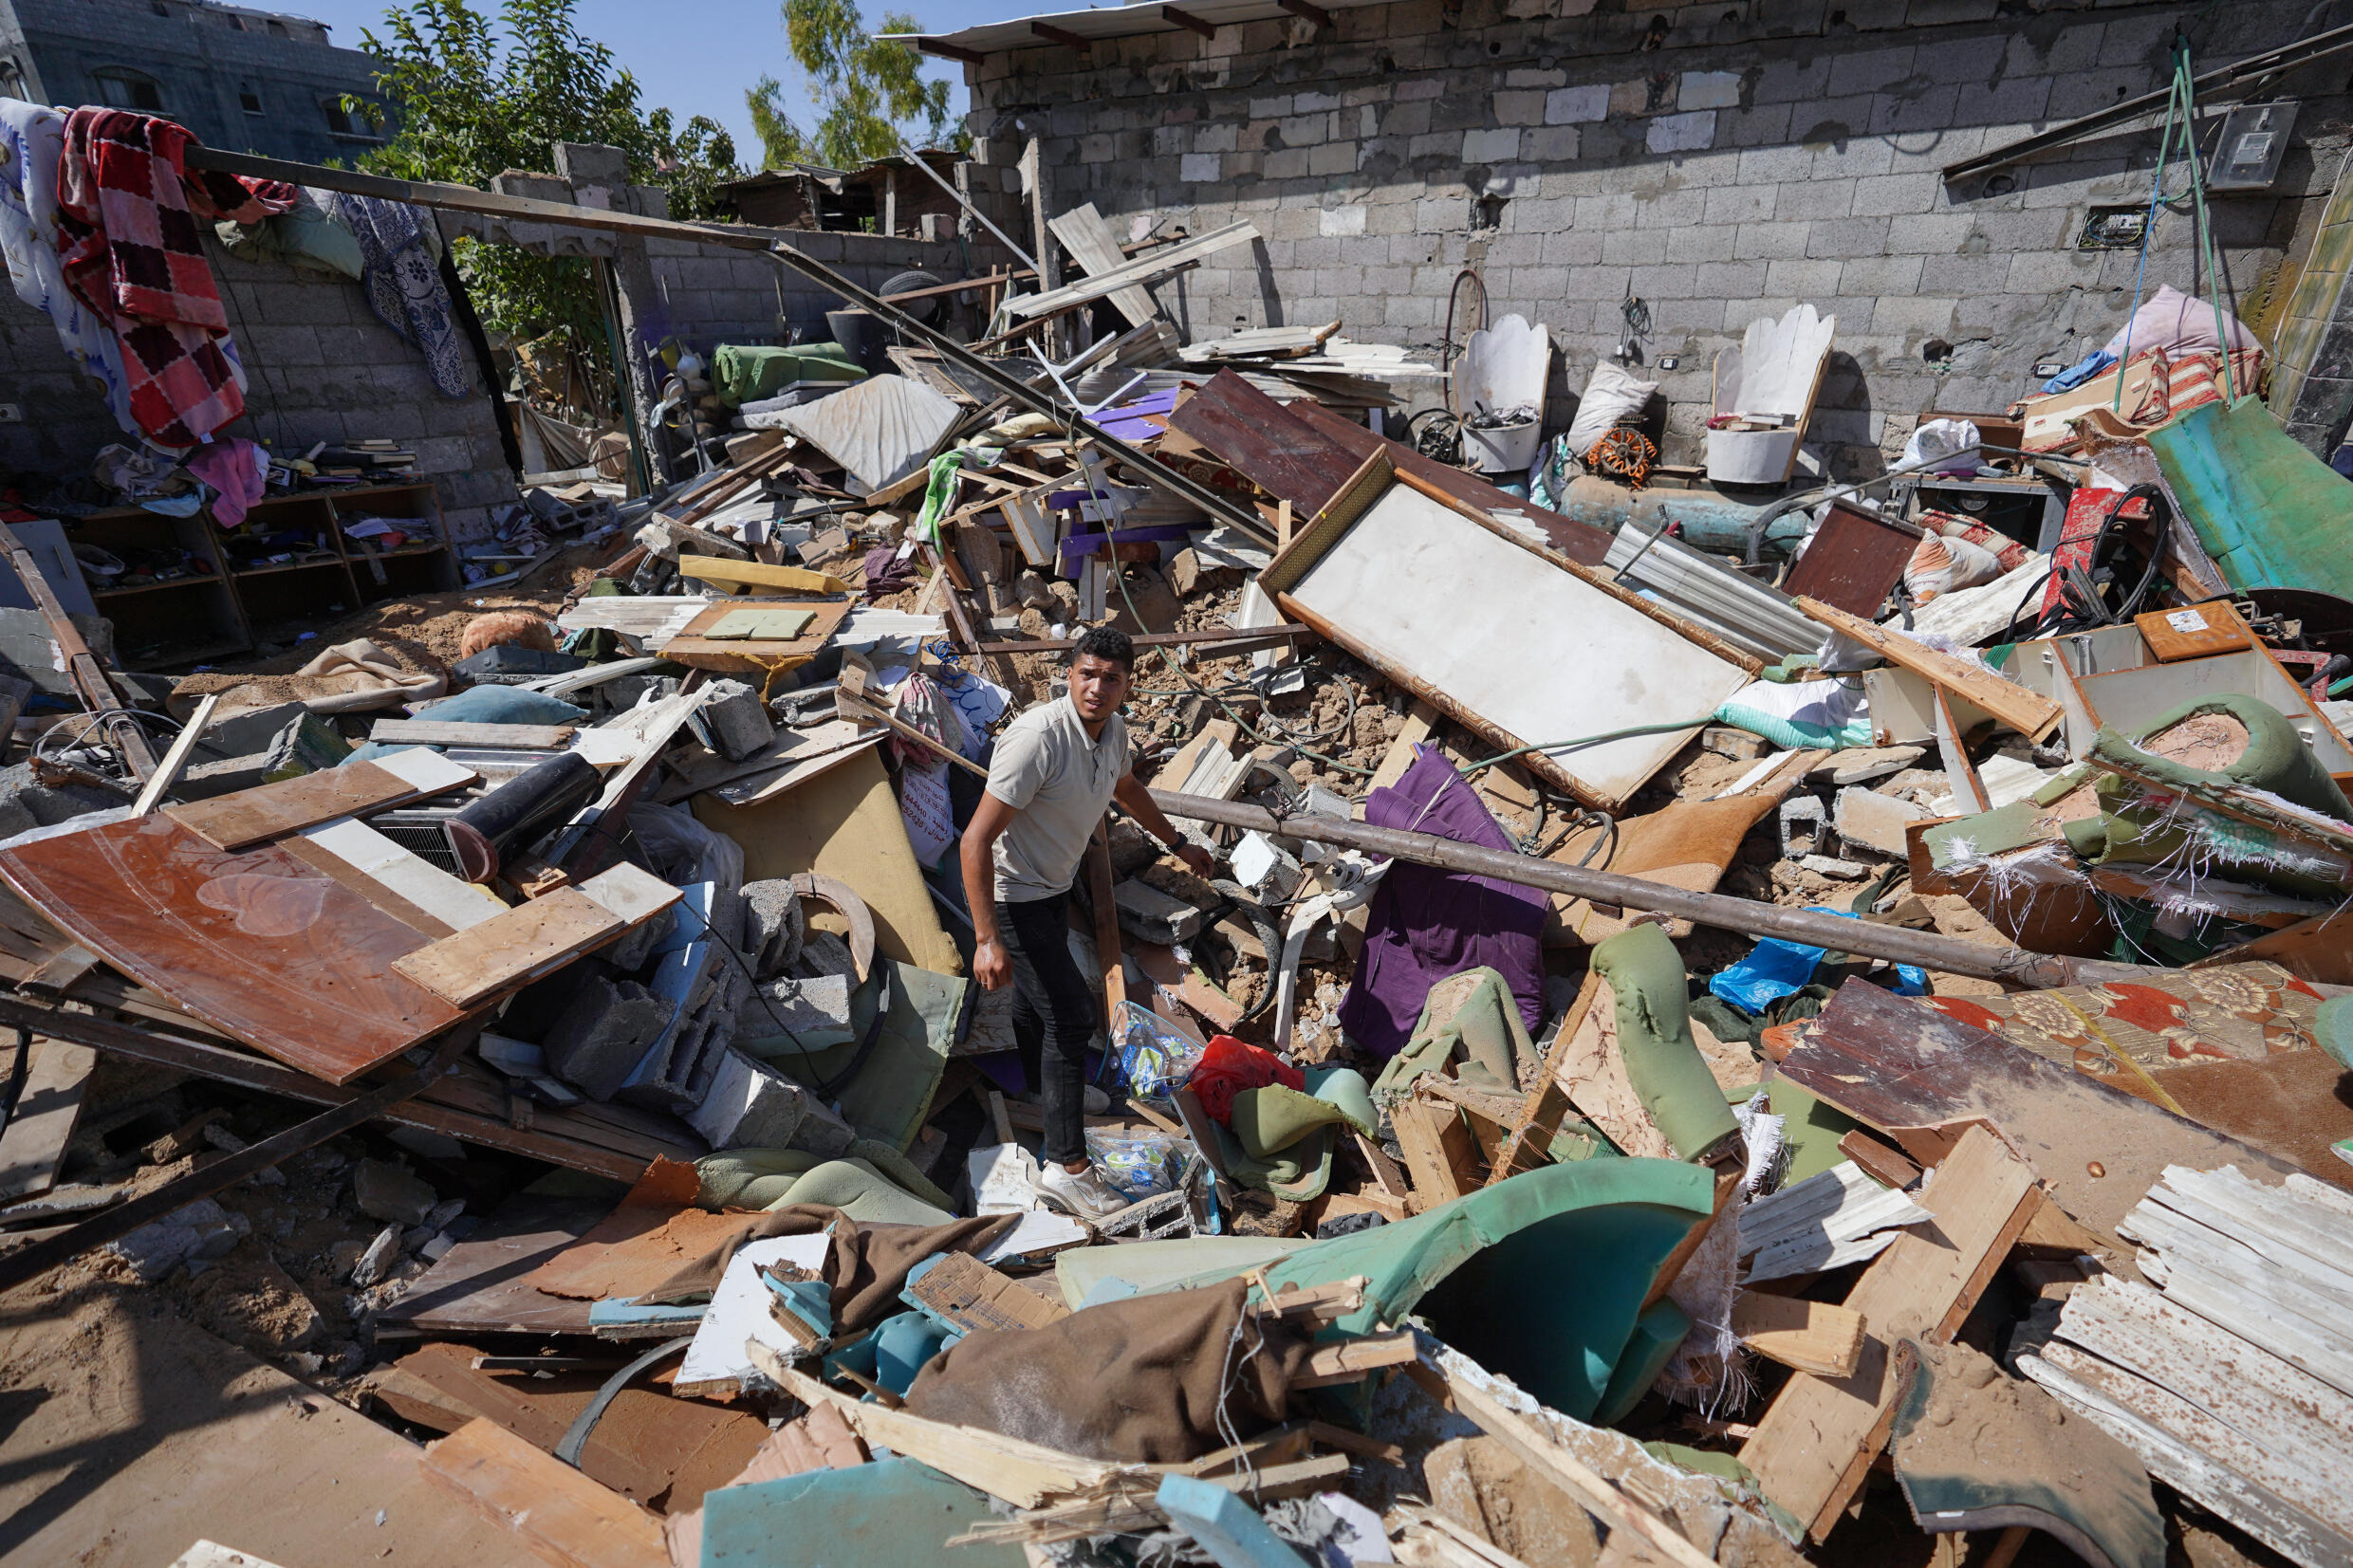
2254,139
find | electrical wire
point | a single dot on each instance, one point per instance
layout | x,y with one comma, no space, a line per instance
1549,746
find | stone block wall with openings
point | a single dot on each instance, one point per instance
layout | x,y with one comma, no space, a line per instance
1718,162
715,294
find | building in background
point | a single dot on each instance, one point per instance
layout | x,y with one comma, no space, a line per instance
243,80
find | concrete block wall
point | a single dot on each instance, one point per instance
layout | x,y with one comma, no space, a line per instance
319,367
1719,162
715,294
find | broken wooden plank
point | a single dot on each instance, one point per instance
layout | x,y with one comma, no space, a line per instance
254,816
1439,1156
33,1144
732,575
1024,1474
2029,712
1881,1162
1815,1445
1136,269
557,1513
1091,243
1352,1360
509,949
511,737
1815,1336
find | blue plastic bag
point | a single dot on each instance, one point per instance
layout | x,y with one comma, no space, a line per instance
1155,1059
1776,968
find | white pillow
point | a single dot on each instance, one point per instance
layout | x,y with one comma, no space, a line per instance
1612,396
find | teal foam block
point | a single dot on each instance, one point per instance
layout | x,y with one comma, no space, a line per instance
884,1515
1229,1529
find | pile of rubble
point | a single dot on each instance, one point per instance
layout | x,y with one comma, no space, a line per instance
1682,1045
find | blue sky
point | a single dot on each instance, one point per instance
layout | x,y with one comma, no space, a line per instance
699,56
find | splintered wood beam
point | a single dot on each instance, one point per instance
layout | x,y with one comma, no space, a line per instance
1314,14
1053,34
1186,19
950,51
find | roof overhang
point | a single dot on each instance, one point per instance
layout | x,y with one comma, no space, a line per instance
1077,28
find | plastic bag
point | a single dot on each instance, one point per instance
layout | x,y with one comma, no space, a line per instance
1154,1057
1138,1164
1230,1066
1950,445
1613,396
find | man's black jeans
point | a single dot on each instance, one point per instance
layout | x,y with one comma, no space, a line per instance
1055,1013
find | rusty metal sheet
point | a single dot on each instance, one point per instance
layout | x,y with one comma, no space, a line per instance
1854,562
256,943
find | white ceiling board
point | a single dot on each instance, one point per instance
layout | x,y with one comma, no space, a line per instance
1504,633
881,430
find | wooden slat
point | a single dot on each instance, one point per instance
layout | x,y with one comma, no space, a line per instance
33,1144
557,1513
2260,1512
1138,269
1815,1445
269,811
509,949
514,737
1091,243
2031,713
2282,1408
1815,1336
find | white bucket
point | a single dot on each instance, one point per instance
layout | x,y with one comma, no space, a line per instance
1506,448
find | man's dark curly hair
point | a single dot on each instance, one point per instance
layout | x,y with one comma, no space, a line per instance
1106,642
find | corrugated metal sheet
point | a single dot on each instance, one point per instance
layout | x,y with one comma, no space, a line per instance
1109,21
1742,610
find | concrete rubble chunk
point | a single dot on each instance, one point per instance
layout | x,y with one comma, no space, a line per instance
385,1191
1866,820
1860,765
1147,913
203,1230
598,1041
774,925
751,1105
378,1260
735,720
816,1012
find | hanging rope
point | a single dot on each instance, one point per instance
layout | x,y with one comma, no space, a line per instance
2180,110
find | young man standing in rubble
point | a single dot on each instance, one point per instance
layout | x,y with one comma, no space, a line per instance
1056,768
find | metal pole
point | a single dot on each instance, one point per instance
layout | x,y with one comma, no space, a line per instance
1835,933
933,175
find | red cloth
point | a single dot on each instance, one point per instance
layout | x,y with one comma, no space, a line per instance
1228,1067
131,221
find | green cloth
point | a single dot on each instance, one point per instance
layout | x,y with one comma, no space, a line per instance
304,238
892,1093
2269,512
1663,1063
1270,1120
1481,1028
1539,1277
778,1178
1657,1334
744,374
2276,762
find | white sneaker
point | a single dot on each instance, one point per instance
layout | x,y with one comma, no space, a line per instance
1081,1194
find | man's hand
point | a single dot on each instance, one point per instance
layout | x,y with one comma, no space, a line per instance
991,967
1198,860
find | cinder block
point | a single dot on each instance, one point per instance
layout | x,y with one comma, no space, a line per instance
598,1041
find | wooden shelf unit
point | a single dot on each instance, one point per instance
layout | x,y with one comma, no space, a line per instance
231,609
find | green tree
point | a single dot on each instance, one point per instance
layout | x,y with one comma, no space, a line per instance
867,92
470,105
